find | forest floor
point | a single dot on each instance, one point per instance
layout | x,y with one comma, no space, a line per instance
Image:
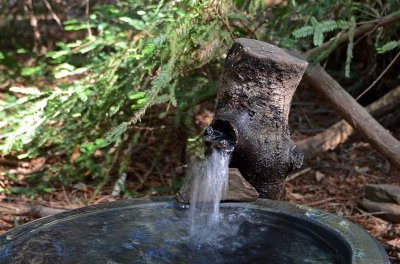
331,181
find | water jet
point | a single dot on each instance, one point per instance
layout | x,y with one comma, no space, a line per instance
251,124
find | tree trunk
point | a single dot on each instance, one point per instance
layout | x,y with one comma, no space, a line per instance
251,113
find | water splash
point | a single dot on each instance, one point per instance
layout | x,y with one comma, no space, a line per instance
209,184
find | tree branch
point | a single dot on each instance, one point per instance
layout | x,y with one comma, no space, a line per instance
338,133
354,114
36,210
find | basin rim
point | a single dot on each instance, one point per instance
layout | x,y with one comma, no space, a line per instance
364,248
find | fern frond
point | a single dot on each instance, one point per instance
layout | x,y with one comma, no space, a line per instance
389,46
161,99
116,133
314,22
318,38
317,29
320,28
172,97
325,53
303,32
342,24
328,25
83,92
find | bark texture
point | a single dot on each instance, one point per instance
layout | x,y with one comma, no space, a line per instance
341,131
356,115
253,103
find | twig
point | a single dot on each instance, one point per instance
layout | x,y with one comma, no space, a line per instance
53,14
87,19
101,199
380,76
297,174
320,202
144,178
369,214
63,189
83,45
28,6
107,174
245,24
28,209
365,34
259,25
260,17
309,123
223,21
160,175
153,165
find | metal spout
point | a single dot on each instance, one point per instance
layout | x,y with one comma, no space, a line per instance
252,111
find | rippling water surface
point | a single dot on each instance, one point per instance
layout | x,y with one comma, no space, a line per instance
160,233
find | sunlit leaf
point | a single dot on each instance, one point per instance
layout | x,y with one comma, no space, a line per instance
27,71
135,23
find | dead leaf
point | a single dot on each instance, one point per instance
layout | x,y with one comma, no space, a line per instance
297,196
98,153
75,154
395,242
319,176
80,186
361,170
203,117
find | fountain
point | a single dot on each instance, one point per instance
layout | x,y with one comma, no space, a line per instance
250,132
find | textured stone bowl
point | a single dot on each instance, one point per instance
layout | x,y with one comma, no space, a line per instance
138,231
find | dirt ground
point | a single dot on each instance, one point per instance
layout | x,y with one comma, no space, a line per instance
336,186
331,181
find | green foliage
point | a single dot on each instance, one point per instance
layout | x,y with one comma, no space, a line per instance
321,22
162,57
317,29
135,62
389,46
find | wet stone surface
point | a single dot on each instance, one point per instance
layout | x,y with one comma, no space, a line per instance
239,190
160,234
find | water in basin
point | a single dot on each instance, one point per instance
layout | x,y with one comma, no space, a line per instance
160,233
165,232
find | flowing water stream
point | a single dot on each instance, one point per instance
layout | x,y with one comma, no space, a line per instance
210,183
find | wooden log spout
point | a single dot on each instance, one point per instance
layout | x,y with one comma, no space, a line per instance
251,115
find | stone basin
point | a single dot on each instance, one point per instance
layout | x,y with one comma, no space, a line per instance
156,230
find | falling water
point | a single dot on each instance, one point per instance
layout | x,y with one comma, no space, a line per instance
210,183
